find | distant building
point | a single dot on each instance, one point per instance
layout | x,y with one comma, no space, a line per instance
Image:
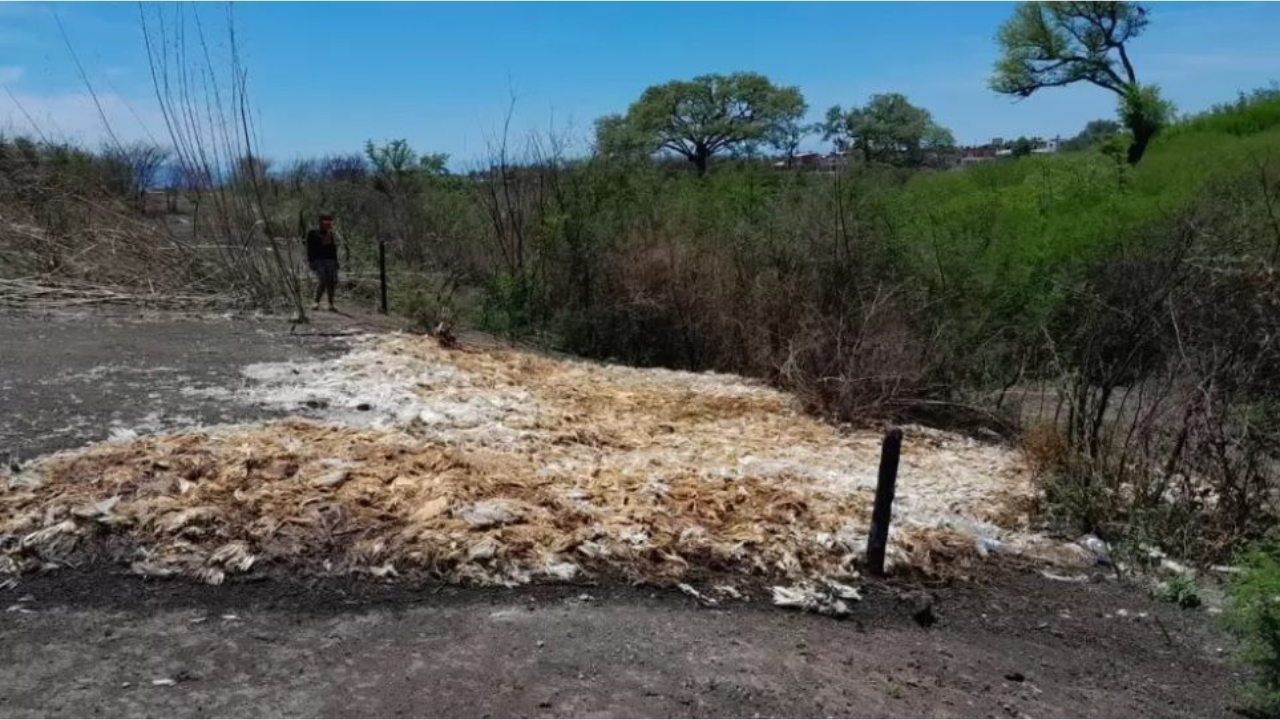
813,161
998,148
807,160
971,154
1048,147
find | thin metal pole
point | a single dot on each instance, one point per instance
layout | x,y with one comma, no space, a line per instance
882,512
382,272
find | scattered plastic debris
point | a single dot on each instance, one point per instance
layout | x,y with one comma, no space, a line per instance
988,545
100,510
489,513
233,556
692,592
812,598
1098,547
730,591
120,434
844,592
1064,578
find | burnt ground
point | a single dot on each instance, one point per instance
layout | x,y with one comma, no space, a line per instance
94,641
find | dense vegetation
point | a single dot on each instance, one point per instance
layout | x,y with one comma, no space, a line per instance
1254,617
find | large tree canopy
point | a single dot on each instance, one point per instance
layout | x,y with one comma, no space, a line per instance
700,117
888,129
1052,44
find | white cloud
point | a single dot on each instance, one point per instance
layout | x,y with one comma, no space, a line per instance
11,74
72,117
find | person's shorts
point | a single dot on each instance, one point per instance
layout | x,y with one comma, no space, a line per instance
326,271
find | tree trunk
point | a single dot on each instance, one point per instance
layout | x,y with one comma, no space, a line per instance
1141,138
701,159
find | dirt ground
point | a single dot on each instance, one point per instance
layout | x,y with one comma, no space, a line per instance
71,378
94,644
95,641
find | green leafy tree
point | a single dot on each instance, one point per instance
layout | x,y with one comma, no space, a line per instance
1144,113
618,139
1052,44
398,169
1094,132
787,137
1022,147
888,129
701,117
434,164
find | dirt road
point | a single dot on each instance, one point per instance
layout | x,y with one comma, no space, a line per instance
94,641
95,644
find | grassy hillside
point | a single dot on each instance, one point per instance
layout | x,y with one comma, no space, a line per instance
1000,240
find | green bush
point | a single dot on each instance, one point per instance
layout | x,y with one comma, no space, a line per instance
1249,113
511,305
1254,617
1182,591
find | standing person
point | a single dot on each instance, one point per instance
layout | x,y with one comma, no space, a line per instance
322,256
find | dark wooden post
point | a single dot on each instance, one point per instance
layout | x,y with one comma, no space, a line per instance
882,513
382,273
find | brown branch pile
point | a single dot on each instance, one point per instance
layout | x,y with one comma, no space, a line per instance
50,293
74,250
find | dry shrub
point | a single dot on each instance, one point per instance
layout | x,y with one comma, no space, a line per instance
1045,448
1171,420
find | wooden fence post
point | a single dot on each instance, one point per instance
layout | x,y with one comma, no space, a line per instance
882,512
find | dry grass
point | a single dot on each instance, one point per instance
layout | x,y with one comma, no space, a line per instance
1045,447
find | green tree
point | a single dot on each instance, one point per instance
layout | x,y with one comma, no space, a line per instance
1144,112
1022,147
889,129
1094,132
398,169
700,117
787,136
1052,44
618,139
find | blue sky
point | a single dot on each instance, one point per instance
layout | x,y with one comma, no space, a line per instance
327,76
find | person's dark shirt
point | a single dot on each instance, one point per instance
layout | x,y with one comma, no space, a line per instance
321,246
